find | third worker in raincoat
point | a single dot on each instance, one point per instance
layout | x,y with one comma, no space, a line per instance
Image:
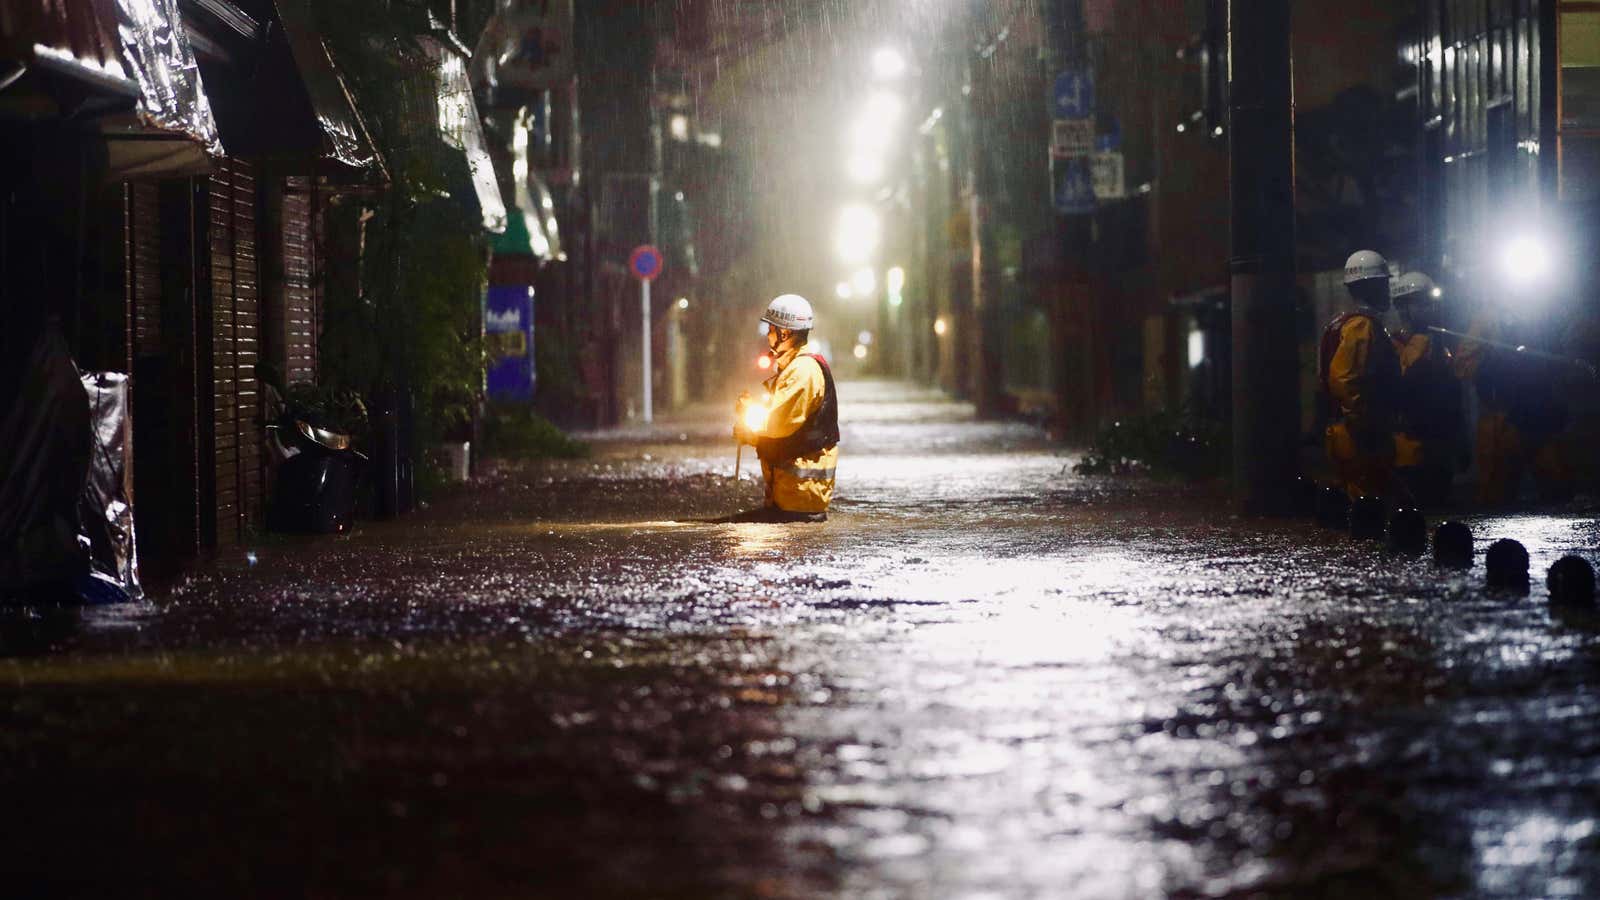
1521,413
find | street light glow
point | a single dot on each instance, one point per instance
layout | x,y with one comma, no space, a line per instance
842,290
883,107
895,279
888,63
858,233
1525,260
864,168
864,282
939,327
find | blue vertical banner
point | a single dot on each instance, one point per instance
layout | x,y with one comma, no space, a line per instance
508,330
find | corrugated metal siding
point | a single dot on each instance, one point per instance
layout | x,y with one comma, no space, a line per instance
299,281
236,342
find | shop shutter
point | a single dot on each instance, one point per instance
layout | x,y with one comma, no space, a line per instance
143,254
299,281
235,345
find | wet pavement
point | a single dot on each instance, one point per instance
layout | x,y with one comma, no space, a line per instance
984,676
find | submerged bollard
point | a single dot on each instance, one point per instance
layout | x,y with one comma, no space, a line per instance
1367,518
1333,508
1507,562
1304,496
1571,582
1452,545
1408,531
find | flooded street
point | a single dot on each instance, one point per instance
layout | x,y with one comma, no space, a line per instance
984,676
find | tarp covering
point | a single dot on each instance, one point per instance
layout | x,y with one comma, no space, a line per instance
105,508
44,461
157,56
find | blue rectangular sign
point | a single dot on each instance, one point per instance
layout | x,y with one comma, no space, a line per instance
508,331
1071,185
1072,96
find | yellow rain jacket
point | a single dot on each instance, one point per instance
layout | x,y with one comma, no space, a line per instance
1502,451
1360,369
801,484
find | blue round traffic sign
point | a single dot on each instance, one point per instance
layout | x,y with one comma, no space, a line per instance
645,262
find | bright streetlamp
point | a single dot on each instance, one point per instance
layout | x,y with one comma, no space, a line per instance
858,233
888,63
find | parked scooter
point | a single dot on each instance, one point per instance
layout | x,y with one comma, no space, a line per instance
318,472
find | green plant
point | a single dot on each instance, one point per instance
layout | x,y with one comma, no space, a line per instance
336,409
408,317
1167,442
516,432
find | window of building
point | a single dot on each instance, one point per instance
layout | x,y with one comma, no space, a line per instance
1578,131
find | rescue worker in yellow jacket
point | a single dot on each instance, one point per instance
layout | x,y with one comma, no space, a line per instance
797,439
1429,401
1360,371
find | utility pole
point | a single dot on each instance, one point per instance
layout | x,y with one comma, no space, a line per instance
988,372
1266,403
1073,341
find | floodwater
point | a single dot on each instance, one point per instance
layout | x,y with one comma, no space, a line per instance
984,676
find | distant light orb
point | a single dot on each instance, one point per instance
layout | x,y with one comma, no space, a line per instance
763,361
888,63
683,302
939,326
895,279
858,233
865,338
864,282
678,126
860,352
842,290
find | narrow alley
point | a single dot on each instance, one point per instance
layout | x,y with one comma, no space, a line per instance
985,675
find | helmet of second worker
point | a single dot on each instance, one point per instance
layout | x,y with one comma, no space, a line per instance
791,312
1413,286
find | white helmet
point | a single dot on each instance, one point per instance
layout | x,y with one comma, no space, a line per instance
1364,265
790,311
1413,285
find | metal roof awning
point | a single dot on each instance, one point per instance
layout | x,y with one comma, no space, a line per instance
344,137
124,67
459,126
277,92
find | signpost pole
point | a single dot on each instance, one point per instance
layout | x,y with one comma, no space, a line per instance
644,314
